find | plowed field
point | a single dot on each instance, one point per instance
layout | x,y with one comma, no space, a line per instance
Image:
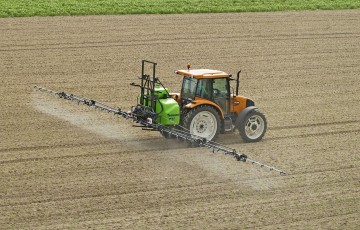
66,166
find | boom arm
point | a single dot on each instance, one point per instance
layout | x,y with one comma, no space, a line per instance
179,132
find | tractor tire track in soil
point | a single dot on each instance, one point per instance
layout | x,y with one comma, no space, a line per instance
67,166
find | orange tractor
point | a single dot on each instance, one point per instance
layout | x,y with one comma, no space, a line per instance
205,106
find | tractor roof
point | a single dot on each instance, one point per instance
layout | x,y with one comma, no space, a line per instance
203,73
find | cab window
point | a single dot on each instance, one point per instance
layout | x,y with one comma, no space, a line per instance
188,88
204,89
221,93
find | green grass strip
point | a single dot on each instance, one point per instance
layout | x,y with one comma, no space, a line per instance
26,8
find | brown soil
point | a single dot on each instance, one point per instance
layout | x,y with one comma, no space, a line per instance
66,166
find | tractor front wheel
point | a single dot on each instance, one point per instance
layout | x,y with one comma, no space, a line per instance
203,121
253,127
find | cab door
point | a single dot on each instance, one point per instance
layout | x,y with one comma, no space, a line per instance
221,94
216,90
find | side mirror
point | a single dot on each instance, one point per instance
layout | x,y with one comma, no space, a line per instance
232,90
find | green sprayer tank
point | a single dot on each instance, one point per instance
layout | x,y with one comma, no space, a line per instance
166,108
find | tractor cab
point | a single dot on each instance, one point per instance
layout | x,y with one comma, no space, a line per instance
205,86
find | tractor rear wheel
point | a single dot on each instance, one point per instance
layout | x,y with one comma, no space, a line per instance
253,127
203,121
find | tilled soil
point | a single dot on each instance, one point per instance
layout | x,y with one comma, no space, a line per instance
67,166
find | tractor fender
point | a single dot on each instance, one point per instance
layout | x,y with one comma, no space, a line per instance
196,103
243,114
